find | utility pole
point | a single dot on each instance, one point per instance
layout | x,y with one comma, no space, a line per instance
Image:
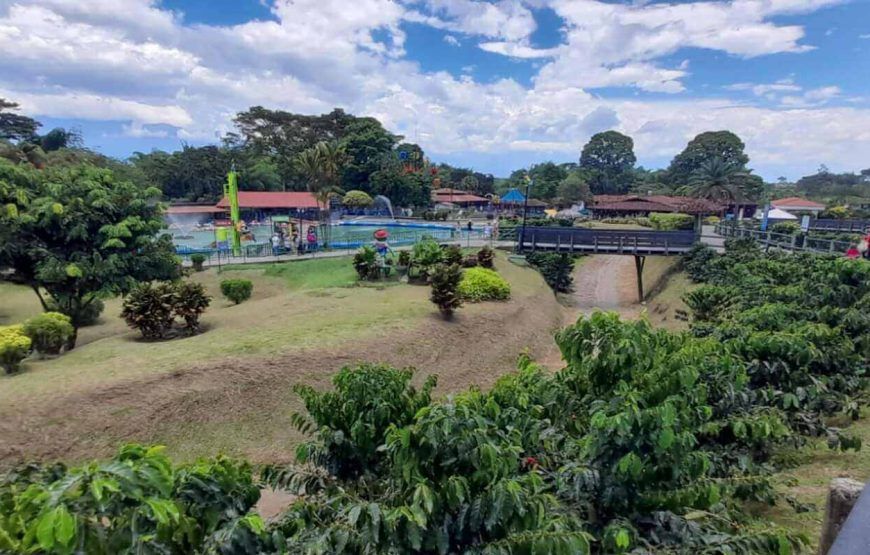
525,210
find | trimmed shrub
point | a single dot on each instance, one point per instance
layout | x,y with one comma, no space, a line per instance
671,222
149,309
556,268
481,284
712,220
191,300
357,199
452,254
445,288
425,256
786,228
486,257
237,290
14,347
197,261
365,262
470,261
88,316
48,332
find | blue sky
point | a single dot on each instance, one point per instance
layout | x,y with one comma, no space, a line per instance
494,85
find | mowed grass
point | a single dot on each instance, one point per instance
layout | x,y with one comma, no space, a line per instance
294,306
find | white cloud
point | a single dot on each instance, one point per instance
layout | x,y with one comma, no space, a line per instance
130,60
451,40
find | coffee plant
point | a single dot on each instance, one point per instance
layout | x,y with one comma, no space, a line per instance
556,268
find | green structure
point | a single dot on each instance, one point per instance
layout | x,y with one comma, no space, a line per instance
231,190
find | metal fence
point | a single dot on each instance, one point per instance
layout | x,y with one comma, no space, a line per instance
784,241
857,226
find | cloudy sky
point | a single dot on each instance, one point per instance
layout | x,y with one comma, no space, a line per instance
495,85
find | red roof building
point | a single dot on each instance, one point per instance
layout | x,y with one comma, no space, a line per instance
797,204
460,198
604,205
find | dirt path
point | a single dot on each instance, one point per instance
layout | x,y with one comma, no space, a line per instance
604,281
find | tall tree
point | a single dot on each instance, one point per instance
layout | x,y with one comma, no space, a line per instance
609,159
574,189
368,147
546,177
323,164
79,234
15,127
724,145
717,180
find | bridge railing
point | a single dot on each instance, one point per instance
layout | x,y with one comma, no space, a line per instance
858,226
574,239
784,241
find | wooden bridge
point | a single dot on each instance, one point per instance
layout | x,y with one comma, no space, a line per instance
637,243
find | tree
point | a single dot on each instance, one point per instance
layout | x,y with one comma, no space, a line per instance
77,234
573,189
369,147
59,138
357,199
609,158
323,164
15,127
716,180
724,145
546,178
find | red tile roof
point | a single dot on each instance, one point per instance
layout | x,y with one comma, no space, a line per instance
655,203
267,199
458,197
193,209
796,202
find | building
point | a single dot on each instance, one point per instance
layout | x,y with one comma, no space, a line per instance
261,205
797,205
463,199
608,206
184,215
513,201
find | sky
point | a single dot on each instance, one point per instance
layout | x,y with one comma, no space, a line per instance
493,85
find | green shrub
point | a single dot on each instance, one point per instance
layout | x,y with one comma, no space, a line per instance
365,262
404,258
190,302
481,284
14,347
425,256
48,332
556,268
671,222
786,228
698,262
357,199
237,290
486,258
445,288
712,220
197,261
470,261
149,309
89,315
452,254
137,502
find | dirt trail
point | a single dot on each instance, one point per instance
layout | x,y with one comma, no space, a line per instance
606,282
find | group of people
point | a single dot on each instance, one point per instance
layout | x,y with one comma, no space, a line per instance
287,239
490,229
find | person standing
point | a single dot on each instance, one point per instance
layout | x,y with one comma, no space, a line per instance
276,243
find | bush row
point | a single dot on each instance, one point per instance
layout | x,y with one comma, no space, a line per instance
46,334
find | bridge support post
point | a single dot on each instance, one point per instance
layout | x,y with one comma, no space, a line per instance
639,262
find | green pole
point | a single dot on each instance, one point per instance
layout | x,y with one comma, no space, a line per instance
231,190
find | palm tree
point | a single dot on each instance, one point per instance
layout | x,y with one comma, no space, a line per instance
719,181
322,165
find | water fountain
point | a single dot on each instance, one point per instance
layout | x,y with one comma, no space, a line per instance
381,200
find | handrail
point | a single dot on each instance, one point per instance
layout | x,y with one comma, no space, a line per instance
784,241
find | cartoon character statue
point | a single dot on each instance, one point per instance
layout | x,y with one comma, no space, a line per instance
382,247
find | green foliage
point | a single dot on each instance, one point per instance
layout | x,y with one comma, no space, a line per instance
425,256
135,503
609,159
351,423
722,145
786,228
698,262
48,332
357,199
14,347
445,288
486,258
197,260
452,254
481,284
404,258
88,313
237,290
152,308
365,262
556,268
81,233
671,222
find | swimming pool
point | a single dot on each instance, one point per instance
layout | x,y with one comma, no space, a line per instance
345,235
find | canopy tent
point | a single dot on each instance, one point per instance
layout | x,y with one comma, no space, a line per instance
778,214
513,196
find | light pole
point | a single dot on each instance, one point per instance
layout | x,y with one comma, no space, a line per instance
525,211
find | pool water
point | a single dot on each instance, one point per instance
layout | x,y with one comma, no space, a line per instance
345,235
